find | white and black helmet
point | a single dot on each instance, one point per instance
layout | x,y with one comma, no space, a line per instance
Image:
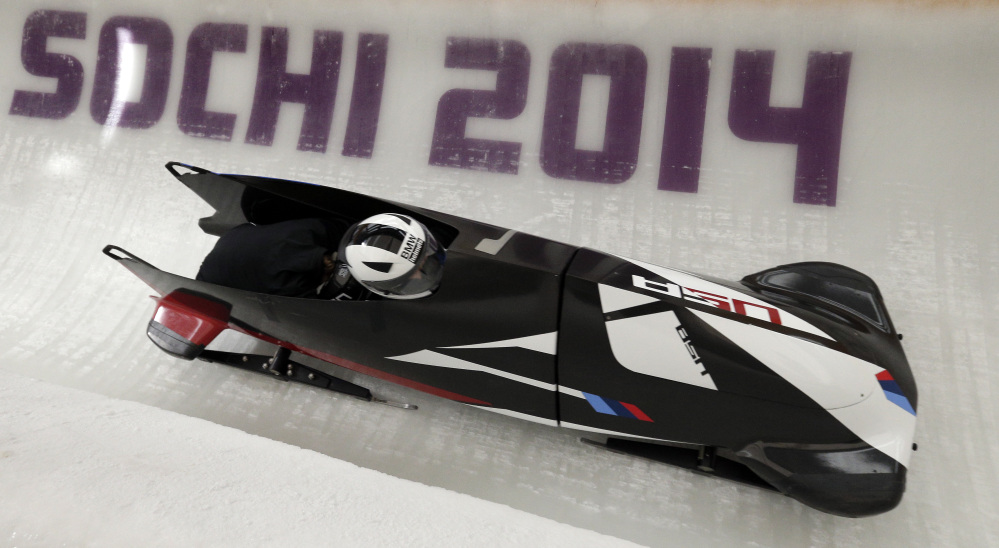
394,256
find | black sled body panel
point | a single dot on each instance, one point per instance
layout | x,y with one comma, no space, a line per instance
486,337
794,374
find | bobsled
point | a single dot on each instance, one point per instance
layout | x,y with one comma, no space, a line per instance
791,379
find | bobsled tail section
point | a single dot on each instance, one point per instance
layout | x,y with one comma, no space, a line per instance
184,323
793,379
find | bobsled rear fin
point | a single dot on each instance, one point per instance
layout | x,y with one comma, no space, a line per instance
268,200
264,208
827,284
223,194
238,199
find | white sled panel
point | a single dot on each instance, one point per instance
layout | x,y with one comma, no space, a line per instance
831,378
706,292
652,345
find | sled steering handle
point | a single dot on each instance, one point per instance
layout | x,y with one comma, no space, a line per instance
120,254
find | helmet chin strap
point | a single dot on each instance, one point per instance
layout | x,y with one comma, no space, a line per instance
329,267
341,286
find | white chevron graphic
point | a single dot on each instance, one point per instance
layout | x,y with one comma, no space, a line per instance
613,299
546,343
431,358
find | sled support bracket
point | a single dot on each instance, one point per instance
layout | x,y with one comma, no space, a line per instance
280,364
704,460
281,367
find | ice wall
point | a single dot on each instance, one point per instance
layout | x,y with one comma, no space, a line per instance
720,137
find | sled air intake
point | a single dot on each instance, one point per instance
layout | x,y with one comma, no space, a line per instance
184,323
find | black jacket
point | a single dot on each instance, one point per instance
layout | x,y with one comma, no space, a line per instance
283,258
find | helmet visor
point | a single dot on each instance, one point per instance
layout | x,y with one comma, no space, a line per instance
418,281
422,280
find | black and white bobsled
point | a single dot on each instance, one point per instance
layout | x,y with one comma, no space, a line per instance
792,379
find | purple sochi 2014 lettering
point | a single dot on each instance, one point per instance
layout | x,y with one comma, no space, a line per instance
511,61
205,40
366,97
316,90
627,67
816,127
107,104
686,108
67,70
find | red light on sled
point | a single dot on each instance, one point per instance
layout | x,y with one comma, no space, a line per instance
184,324
197,319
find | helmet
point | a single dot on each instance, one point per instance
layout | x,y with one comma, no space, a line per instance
394,256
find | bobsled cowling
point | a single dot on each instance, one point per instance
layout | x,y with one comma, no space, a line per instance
792,379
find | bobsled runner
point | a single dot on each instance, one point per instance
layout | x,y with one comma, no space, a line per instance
793,379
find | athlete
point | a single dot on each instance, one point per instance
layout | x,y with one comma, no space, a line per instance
388,255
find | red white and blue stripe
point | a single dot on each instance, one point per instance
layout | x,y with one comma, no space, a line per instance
893,392
617,408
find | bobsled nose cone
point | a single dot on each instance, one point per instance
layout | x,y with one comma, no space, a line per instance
854,495
846,480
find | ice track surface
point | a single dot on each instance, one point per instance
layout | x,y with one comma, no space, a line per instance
119,473
916,210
